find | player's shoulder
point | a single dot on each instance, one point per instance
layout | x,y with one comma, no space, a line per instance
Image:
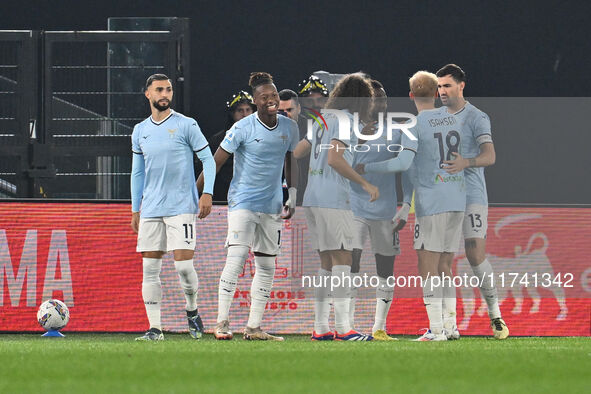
429,113
285,121
183,119
426,116
244,127
246,123
141,125
474,112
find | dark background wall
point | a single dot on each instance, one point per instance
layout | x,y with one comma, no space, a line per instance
508,49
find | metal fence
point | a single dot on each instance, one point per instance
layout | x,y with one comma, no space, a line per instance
68,104
18,109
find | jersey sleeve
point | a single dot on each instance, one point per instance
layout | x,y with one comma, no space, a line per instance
407,141
481,130
135,141
195,137
233,139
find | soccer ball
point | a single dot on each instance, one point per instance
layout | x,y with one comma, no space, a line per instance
53,315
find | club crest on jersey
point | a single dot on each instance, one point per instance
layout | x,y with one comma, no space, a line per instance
283,138
171,132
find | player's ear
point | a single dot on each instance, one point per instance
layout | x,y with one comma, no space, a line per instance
412,96
146,93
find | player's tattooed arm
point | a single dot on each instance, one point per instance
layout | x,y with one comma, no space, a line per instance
486,158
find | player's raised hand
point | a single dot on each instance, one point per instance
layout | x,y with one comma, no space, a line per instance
456,165
401,217
373,191
135,221
204,205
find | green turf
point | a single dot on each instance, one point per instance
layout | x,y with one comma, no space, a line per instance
114,363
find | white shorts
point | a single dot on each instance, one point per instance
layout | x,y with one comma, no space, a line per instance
381,234
329,228
475,221
166,233
257,230
439,233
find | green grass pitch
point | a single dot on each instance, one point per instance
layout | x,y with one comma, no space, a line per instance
115,363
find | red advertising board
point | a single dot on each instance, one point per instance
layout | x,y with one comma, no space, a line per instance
84,254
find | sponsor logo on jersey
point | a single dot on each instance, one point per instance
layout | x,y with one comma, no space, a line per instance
448,178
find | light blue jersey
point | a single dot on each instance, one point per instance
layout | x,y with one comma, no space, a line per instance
327,188
475,130
259,153
436,191
167,149
383,208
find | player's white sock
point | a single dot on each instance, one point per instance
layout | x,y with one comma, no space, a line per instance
260,290
353,299
384,296
321,302
341,296
449,305
152,290
432,297
235,260
488,289
189,282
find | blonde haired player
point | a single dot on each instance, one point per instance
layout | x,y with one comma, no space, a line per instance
439,201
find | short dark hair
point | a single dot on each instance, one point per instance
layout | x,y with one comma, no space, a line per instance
288,94
454,70
259,78
155,77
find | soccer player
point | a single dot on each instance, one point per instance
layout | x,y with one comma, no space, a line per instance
440,199
328,211
262,144
290,104
315,89
478,152
164,199
374,220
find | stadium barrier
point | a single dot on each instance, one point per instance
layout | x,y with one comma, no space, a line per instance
84,254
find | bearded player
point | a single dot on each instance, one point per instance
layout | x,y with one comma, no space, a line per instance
478,151
164,200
